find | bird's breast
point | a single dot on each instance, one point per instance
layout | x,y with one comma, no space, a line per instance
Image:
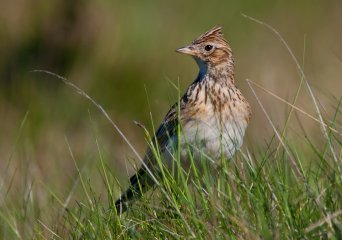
215,124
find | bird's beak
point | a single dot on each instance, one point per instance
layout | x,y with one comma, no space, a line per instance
186,50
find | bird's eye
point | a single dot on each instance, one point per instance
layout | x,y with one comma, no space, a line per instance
208,47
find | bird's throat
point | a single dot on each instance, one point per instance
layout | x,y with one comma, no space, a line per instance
203,68
221,73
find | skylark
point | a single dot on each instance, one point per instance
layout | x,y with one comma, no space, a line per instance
213,115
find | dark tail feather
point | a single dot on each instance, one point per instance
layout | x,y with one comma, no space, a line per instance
138,183
130,195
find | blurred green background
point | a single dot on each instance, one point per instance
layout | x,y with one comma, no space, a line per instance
122,54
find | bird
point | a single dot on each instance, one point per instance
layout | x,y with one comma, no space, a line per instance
213,116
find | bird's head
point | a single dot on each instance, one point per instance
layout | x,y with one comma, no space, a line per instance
210,48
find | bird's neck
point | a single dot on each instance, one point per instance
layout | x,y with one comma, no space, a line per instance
222,73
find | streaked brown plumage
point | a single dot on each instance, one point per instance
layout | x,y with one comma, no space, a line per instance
213,114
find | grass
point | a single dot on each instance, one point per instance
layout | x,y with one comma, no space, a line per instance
251,197
284,189
254,196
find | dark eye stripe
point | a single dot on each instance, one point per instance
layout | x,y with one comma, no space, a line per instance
208,47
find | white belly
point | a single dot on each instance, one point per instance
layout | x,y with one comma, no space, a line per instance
206,140
212,139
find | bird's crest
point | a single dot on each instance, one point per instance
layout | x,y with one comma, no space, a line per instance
215,32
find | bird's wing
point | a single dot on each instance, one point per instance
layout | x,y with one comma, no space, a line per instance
166,130
141,179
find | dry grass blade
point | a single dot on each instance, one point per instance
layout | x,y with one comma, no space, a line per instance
104,112
54,235
327,219
293,106
294,165
323,125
